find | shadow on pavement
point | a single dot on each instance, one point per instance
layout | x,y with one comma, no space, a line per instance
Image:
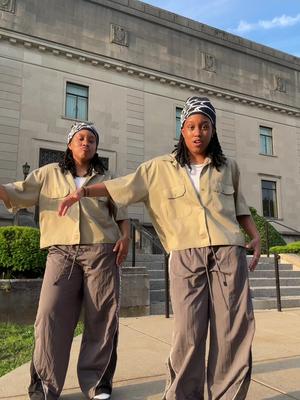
291,396
276,364
151,390
140,391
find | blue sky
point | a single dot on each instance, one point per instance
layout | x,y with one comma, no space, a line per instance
274,23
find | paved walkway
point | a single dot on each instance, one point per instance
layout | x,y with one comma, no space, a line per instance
144,346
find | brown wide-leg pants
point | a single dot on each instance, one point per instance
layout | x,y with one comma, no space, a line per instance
209,288
76,276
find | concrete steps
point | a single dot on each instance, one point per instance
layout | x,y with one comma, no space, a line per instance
262,283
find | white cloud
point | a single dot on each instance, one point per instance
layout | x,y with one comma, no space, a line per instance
282,22
277,22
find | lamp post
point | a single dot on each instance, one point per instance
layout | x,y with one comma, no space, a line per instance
23,217
26,169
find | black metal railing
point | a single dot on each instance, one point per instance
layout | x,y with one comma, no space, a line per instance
137,226
276,257
267,224
277,280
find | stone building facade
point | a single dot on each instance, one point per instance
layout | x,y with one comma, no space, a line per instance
128,67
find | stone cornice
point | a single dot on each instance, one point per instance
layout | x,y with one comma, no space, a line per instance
143,73
195,28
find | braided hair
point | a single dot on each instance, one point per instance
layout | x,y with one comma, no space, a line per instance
214,152
68,164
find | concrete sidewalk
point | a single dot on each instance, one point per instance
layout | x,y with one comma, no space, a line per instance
144,346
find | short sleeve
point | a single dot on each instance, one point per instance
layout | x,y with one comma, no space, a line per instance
23,194
129,189
241,206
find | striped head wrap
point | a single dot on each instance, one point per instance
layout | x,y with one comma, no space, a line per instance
195,105
79,126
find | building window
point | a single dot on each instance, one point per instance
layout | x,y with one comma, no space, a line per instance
48,156
77,97
266,140
178,125
105,162
269,199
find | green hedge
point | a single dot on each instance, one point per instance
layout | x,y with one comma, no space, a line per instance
275,239
20,254
289,248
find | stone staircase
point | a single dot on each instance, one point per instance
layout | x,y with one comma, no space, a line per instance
263,286
262,283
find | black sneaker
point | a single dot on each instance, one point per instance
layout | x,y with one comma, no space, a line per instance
36,391
102,396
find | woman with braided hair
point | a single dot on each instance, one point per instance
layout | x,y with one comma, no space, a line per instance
85,250
196,204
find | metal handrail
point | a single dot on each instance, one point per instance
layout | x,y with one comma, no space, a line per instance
276,257
267,222
137,226
281,224
277,280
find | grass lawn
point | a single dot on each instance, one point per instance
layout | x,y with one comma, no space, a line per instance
16,344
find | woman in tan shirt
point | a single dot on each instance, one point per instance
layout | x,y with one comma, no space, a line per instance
196,204
85,250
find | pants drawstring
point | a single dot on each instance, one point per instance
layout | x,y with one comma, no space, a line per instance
209,284
73,262
220,273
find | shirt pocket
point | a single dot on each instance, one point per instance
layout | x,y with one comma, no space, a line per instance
223,197
56,192
175,202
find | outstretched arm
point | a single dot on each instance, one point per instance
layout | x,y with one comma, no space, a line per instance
246,222
97,190
4,196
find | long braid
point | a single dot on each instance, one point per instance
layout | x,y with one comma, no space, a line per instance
68,164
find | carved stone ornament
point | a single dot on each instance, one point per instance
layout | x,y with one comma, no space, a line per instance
208,62
7,5
118,35
280,84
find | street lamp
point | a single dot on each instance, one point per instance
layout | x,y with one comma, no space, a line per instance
23,217
26,169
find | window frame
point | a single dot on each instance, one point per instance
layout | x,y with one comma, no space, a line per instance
265,136
177,118
87,97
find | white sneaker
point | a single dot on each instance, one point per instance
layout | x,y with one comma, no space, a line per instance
102,396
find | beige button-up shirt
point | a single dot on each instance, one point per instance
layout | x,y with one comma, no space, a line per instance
182,218
87,222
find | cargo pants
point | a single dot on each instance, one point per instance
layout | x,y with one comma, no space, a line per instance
210,291
76,276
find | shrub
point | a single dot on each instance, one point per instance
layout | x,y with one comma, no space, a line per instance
289,248
275,239
20,254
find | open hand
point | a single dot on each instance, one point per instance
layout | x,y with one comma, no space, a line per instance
68,202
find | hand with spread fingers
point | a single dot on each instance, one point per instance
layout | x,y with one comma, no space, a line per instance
69,201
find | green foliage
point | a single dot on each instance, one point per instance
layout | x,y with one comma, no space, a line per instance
289,248
16,345
275,239
20,254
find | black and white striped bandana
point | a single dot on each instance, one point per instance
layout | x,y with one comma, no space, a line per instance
79,126
195,105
